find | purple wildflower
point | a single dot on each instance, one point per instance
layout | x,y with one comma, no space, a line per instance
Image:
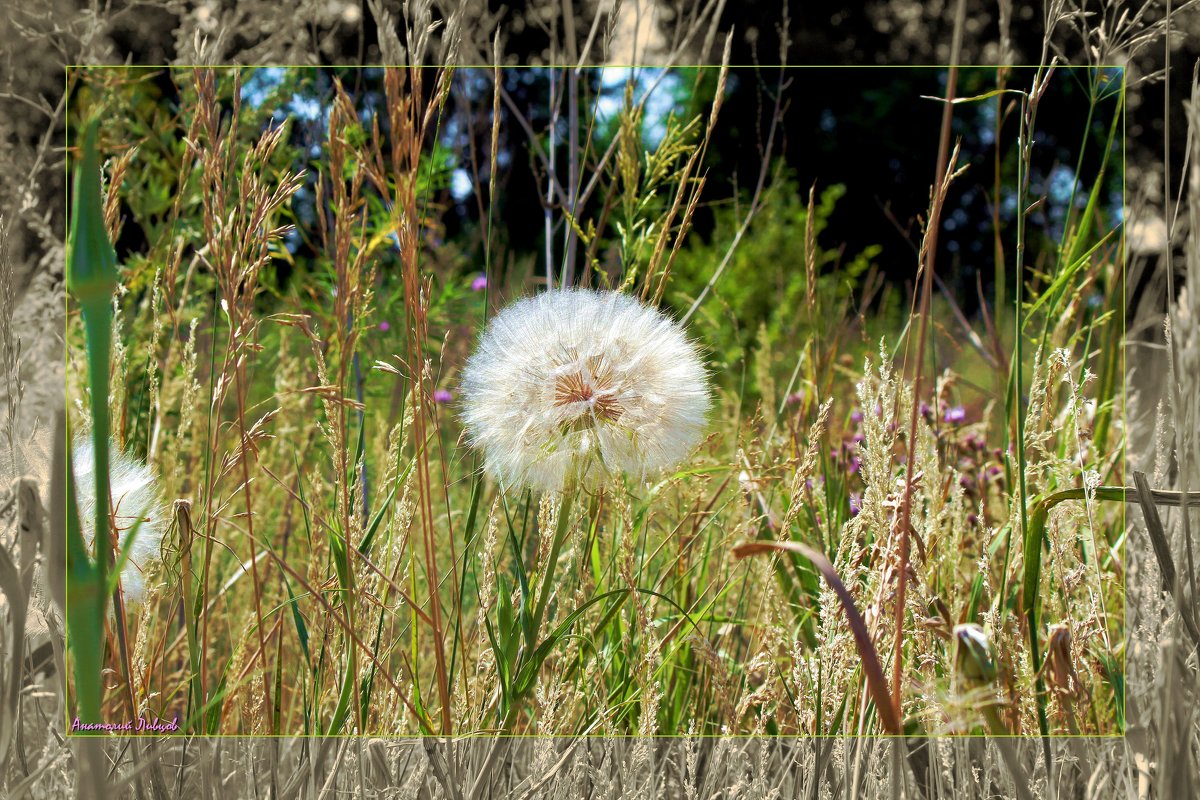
443,396
955,414
384,326
856,416
479,284
855,504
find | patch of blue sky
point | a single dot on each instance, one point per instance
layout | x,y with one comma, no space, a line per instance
1008,203
658,104
1116,201
1060,184
260,85
956,219
612,92
306,107
292,241
450,131
1111,80
986,123
460,185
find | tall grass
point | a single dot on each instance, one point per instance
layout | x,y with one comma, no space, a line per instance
367,579
334,572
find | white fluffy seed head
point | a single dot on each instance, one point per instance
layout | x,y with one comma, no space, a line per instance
137,510
581,384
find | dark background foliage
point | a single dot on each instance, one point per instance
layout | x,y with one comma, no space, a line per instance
887,32
872,132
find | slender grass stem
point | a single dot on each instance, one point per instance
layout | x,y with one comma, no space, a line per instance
1032,541
929,250
561,530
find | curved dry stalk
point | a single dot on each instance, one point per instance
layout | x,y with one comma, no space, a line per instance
876,682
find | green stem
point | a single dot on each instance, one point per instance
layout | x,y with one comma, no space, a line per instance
92,278
84,593
561,529
1031,542
90,613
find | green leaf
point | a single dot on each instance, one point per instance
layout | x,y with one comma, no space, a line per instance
343,707
529,670
297,618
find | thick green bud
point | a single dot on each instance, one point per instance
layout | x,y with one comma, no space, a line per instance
91,259
973,653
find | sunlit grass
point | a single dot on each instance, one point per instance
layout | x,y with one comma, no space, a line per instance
340,563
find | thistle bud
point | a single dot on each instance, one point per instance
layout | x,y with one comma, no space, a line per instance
973,657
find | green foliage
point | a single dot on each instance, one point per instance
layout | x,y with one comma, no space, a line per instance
761,304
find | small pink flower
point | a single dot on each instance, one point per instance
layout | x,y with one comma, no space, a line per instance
956,414
384,326
443,396
479,284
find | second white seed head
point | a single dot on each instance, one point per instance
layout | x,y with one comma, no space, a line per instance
137,510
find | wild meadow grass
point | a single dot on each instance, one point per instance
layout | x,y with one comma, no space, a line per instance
856,544
772,371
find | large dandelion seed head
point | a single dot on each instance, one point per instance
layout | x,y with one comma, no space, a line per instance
137,510
576,384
